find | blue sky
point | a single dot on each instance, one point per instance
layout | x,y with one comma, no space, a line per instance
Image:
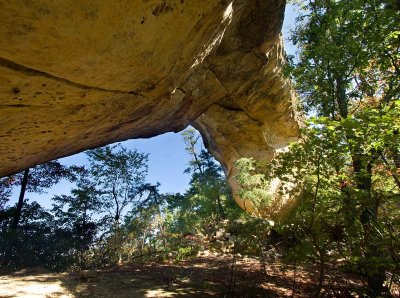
167,156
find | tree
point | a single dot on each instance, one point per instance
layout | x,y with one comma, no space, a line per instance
253,185
36,179
33,243
207,205
145,225
118,174
76,213
208,179
348,73
6,185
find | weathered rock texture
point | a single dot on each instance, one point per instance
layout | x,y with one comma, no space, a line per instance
79,74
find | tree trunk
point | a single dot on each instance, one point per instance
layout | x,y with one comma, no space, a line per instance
143,241
221,212
369,217
16,218
321,275
18,211
341,98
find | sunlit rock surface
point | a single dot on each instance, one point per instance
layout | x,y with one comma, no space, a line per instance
80,74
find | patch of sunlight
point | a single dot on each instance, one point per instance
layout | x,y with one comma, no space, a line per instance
185,280
280,290
158,293
25,288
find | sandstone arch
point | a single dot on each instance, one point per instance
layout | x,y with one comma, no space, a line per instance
80,74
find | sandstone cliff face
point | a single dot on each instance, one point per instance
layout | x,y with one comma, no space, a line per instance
80,74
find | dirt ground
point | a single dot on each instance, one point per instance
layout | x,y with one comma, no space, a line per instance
201,277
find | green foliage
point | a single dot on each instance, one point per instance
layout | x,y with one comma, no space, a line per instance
348,52
345,170
37,242
76,213
112,215
118,179
336,217
253,184
83,228
42,176
6,186
119,175
185,253
251,234
25,222
208,200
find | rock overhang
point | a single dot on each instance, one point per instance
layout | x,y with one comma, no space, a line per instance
80,74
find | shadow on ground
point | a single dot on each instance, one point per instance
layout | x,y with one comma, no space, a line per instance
188,279
211,276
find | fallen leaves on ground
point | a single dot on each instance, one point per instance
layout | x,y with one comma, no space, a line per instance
199,277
